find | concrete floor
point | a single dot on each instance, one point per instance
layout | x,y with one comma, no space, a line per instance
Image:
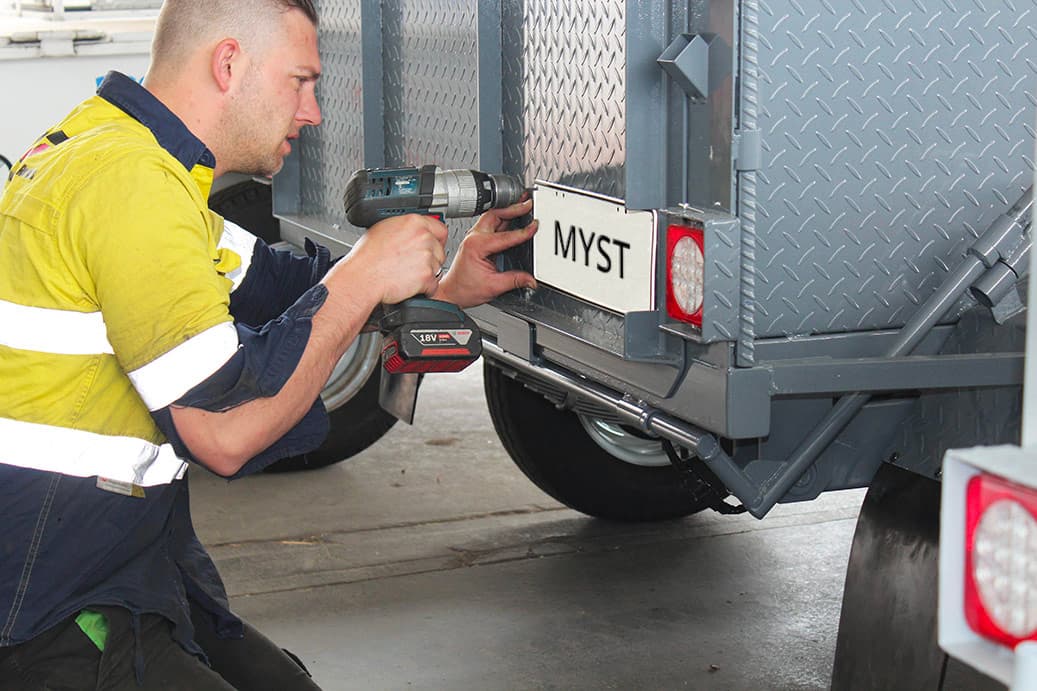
431,562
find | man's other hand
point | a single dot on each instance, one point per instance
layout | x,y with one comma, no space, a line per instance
473,277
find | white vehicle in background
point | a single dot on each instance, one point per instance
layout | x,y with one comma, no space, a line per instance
53,54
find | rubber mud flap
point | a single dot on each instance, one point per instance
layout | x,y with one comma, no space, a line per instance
887,628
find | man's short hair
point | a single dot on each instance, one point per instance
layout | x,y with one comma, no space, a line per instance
185,24
306,6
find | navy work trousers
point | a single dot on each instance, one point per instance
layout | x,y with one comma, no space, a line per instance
65,658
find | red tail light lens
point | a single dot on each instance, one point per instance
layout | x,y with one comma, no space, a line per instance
1001,560
685,271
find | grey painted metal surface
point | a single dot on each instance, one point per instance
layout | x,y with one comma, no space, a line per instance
491,89
893,133
720,308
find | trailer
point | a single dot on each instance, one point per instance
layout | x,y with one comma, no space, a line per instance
779,251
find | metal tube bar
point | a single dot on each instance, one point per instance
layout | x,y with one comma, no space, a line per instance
372,74
907,373
848,406
1029,431
935,307
491,86
702,443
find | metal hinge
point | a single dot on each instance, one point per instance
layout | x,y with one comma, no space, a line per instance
747,147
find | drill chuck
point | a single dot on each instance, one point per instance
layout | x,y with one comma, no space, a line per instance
507,189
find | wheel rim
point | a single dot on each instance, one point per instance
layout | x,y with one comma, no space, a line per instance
352,371
623,444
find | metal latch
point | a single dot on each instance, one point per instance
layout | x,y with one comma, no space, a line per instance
698,63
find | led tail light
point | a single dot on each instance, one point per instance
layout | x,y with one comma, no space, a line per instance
1001,560
685,269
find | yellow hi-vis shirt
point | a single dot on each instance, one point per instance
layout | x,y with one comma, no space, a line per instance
113,298
114,303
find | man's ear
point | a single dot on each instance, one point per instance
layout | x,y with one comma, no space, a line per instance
227,63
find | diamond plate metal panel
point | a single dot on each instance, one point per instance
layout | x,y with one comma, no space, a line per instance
431,87
564,92
429,91
719,310
893,133
331,152
564,119
431,82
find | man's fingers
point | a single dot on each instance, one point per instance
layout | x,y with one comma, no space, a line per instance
512,280
437,228
498,242
431,286
500,283
438,256
515,210
496,219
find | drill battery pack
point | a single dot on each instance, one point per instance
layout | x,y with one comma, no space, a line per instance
423,335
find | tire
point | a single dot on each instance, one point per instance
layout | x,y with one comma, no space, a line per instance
589,464
351,394
249,204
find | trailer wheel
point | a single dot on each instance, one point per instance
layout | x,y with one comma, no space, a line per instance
594,466
351,394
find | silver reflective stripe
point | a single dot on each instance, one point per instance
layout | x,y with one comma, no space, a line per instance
171,375
86,454
60,332
242,243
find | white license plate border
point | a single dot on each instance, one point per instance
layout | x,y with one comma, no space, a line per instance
633,217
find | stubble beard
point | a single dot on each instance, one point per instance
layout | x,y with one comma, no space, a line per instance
252,157
248,128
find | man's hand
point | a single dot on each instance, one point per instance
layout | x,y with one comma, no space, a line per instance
473,277
396,259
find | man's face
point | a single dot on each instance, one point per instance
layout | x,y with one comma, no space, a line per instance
276,99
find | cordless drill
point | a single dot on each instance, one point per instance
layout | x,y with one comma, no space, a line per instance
424,335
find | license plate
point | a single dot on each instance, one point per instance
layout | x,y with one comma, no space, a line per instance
590,246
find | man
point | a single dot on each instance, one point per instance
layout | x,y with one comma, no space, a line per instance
138,332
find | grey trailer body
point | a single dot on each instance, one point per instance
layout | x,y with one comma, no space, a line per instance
852,168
